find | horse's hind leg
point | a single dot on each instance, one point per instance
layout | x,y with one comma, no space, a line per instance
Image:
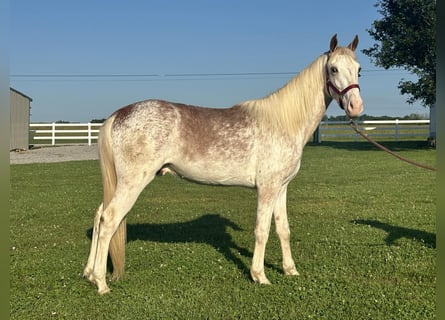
122,201
283,231
91,258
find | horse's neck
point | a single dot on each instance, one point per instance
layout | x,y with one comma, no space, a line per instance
302,102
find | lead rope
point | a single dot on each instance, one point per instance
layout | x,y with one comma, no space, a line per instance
424,166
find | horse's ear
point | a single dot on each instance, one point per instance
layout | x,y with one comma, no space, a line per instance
354,43
333,44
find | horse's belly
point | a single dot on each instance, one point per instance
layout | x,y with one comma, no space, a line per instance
214,172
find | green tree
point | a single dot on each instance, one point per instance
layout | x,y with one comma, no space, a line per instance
406,38
98,120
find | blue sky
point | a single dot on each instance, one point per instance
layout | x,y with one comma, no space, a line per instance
161,46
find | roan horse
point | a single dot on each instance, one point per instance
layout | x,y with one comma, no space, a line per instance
257,143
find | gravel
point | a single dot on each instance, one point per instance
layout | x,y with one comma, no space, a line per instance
54,154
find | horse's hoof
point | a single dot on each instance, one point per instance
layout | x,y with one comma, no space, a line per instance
264,281
87,273
291,272
259,277
103,291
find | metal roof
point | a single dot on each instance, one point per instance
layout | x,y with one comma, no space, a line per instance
21,93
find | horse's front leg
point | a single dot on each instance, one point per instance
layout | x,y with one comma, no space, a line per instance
283,231
266,201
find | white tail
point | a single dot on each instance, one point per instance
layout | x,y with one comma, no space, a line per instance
118,241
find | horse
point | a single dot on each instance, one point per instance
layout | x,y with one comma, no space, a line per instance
255,143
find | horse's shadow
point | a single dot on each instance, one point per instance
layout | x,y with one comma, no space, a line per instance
394,233
209,229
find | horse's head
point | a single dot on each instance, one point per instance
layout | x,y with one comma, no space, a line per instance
343,71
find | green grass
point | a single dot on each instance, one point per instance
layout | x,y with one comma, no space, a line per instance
363,238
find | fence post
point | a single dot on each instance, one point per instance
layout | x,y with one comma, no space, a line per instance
89,133
397,130
356,135
53,134
317,134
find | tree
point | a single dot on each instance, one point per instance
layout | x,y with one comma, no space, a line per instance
98,120
406,38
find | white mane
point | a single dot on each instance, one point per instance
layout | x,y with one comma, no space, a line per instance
288,108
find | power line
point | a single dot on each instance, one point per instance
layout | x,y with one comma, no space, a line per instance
169,76
81,75
103,75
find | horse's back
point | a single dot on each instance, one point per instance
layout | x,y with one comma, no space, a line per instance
190,125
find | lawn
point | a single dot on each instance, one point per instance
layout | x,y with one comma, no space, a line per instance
363,238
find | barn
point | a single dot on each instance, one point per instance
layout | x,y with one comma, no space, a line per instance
20,106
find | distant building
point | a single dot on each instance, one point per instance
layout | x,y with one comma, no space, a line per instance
20,105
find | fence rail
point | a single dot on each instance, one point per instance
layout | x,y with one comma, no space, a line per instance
87,133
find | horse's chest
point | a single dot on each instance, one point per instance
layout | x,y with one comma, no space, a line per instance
278,158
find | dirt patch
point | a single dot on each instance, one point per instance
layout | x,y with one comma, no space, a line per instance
54,154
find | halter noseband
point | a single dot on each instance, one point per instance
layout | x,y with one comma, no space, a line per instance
330,85
340,93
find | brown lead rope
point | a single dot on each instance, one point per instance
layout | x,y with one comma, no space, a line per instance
356,129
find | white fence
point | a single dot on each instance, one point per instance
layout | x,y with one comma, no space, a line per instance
87,133
64,133
382,129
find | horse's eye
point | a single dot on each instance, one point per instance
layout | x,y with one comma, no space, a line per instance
334,69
